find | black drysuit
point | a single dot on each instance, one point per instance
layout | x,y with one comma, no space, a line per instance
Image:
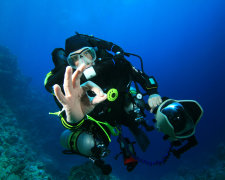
111,72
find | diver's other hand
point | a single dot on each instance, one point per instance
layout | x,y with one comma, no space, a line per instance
76,102
154,100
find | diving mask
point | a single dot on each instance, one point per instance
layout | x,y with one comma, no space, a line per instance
87,56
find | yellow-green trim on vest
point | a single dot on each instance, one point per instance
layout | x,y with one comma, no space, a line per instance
64,123
47,76
113,130
46,80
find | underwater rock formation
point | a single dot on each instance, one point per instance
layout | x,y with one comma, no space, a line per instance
214,170
12,80
88,171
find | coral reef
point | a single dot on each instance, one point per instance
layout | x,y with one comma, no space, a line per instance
17,159
19,139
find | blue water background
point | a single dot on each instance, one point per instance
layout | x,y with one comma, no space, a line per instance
182,44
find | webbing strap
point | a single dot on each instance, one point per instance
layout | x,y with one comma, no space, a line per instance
113,130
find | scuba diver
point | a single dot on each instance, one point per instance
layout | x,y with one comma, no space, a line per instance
96,97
